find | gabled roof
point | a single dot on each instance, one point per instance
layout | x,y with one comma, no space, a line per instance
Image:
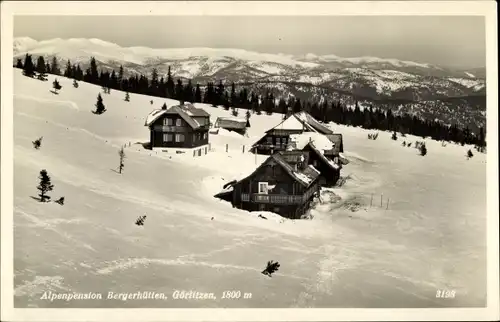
187,111
329,162
302,121
301,140
311,121
305,176
336,139
231,123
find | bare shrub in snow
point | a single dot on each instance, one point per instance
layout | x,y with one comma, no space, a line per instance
37,143
121,153
60,201
469,154
271,268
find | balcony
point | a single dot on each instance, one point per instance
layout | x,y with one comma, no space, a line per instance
274,199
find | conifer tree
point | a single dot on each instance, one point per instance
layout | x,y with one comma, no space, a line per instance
423,149
40,65
75,84
55,67
28,67
19,63
44,186
197,94
68,72
100,108
127,97
394,136
469,154
56,86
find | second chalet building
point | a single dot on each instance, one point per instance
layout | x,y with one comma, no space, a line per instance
180,128
276,186
278,138
233,124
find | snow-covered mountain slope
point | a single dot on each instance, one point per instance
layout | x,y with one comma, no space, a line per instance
431,235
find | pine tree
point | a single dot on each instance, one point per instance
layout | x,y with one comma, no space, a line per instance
394,136
44,186
197,94
56,86
75,84
469,154
127,97
40,65
41,69
121,153
94,74
69,70
120,78
235,112
423,149
55,67
28,67
100,108
170,85
19,63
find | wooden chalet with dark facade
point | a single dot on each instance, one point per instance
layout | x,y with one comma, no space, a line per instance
277,186
179,127
278,138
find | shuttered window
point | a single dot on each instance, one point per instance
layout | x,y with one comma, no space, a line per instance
179,138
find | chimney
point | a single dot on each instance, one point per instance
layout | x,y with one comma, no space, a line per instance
164,106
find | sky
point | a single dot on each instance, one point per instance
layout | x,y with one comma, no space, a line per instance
455,41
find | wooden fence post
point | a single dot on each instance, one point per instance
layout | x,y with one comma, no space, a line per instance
371,200
243,149
381,200
227,147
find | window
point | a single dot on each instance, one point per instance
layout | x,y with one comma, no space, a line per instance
167,121
178,122
179,138
269,140
278,142
263,187
168,137
205,136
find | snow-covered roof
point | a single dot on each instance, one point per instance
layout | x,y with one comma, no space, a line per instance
153,116
320,141
187,111
231,123
291,123
304,176
321,154
302,121
307,118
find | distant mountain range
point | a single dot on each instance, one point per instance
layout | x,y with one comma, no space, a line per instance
450,95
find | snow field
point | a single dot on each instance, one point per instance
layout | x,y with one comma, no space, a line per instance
432,236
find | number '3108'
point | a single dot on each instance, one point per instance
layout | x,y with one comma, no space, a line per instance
445,294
